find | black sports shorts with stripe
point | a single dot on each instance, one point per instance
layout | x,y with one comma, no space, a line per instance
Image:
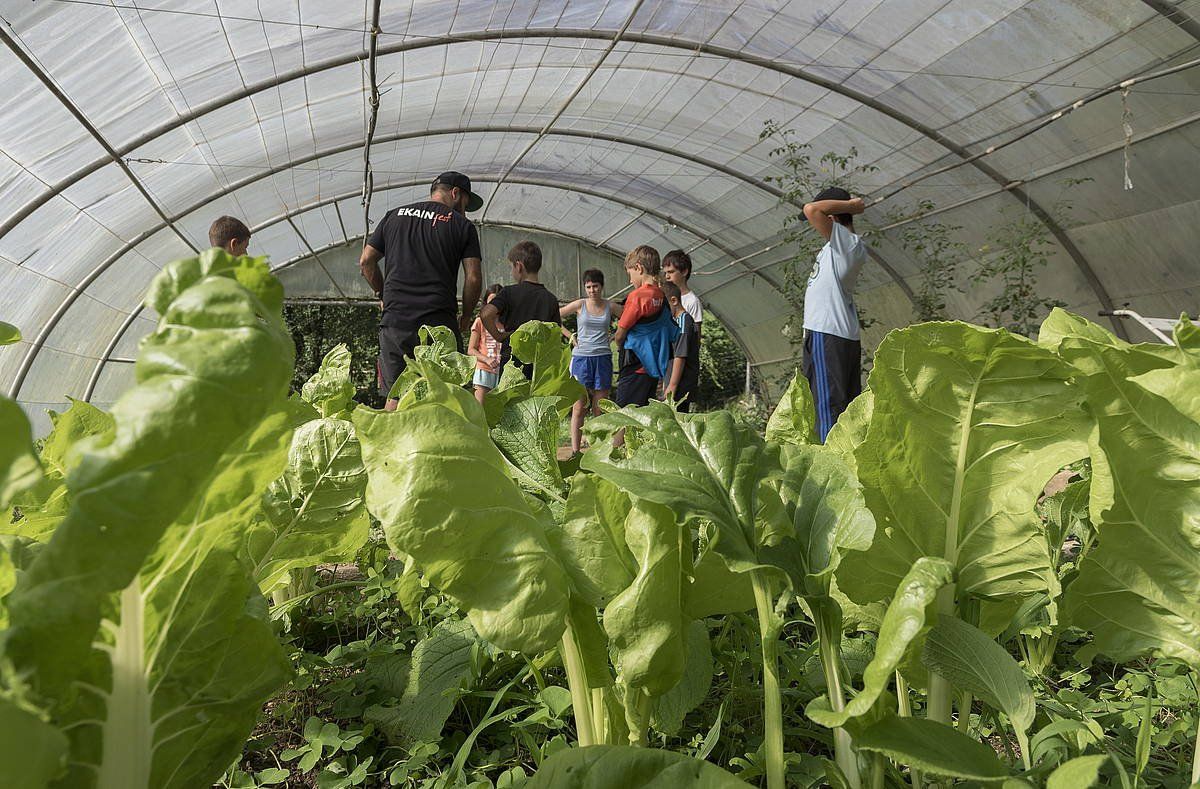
833,367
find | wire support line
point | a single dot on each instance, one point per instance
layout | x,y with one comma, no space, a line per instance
372,120
44,77
291,220
408,36
563,107
1038,126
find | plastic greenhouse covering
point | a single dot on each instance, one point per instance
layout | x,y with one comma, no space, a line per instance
128,125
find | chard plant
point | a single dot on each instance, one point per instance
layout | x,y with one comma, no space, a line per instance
574,566
1137,591
162,651
147,536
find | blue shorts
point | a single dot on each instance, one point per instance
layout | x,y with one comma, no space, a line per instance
594,372
486,379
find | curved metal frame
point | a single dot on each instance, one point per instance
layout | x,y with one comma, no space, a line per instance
636,38
1176,14
71,297
107,357
95,134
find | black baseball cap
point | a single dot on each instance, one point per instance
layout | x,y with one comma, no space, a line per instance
451,178
830,193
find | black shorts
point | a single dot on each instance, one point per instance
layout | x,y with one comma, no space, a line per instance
635,388
685,393
396,344
833,367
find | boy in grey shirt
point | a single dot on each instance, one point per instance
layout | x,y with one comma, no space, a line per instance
832,351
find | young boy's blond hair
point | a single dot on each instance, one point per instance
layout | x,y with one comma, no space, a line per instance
645,257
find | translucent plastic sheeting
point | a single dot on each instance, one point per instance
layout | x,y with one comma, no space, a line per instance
258,109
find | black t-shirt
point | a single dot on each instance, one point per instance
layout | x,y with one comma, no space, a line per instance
423,245
687,347
526,301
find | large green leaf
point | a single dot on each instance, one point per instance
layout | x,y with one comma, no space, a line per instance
9,334
442,664
590,541
627,767
436,357
442,492
45,505
32,751
646,622
193,658
315,511
189,655
541,344
527,435
330,389
702,466
19,469
1139,590
716,590
850,430
933,747
903,622
669,709
1066,513
216,362
971,661
825,504
1078,773
439,350
794,421
967,426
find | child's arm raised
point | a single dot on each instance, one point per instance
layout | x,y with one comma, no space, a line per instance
821,213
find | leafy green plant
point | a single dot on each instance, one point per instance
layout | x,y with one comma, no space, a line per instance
143,580
938,253
9,334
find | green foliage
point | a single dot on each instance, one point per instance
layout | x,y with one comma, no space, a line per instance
622,767
442,665
1015,253
967,427
904,621
19,468
915,547
317,327
131,564
938,252
722,366
1137,590
9,334
933,747
502,570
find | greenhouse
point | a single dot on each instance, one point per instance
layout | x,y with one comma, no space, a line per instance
599,394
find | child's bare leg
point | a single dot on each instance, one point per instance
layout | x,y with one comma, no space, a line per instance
481,393
577,410
597,396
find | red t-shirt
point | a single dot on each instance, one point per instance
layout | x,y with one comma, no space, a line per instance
645,301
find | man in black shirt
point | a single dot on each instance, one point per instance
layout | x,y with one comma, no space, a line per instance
423,245
685,363
514,305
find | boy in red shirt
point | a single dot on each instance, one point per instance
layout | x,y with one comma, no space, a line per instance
645,330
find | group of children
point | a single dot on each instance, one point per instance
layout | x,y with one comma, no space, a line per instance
657,332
